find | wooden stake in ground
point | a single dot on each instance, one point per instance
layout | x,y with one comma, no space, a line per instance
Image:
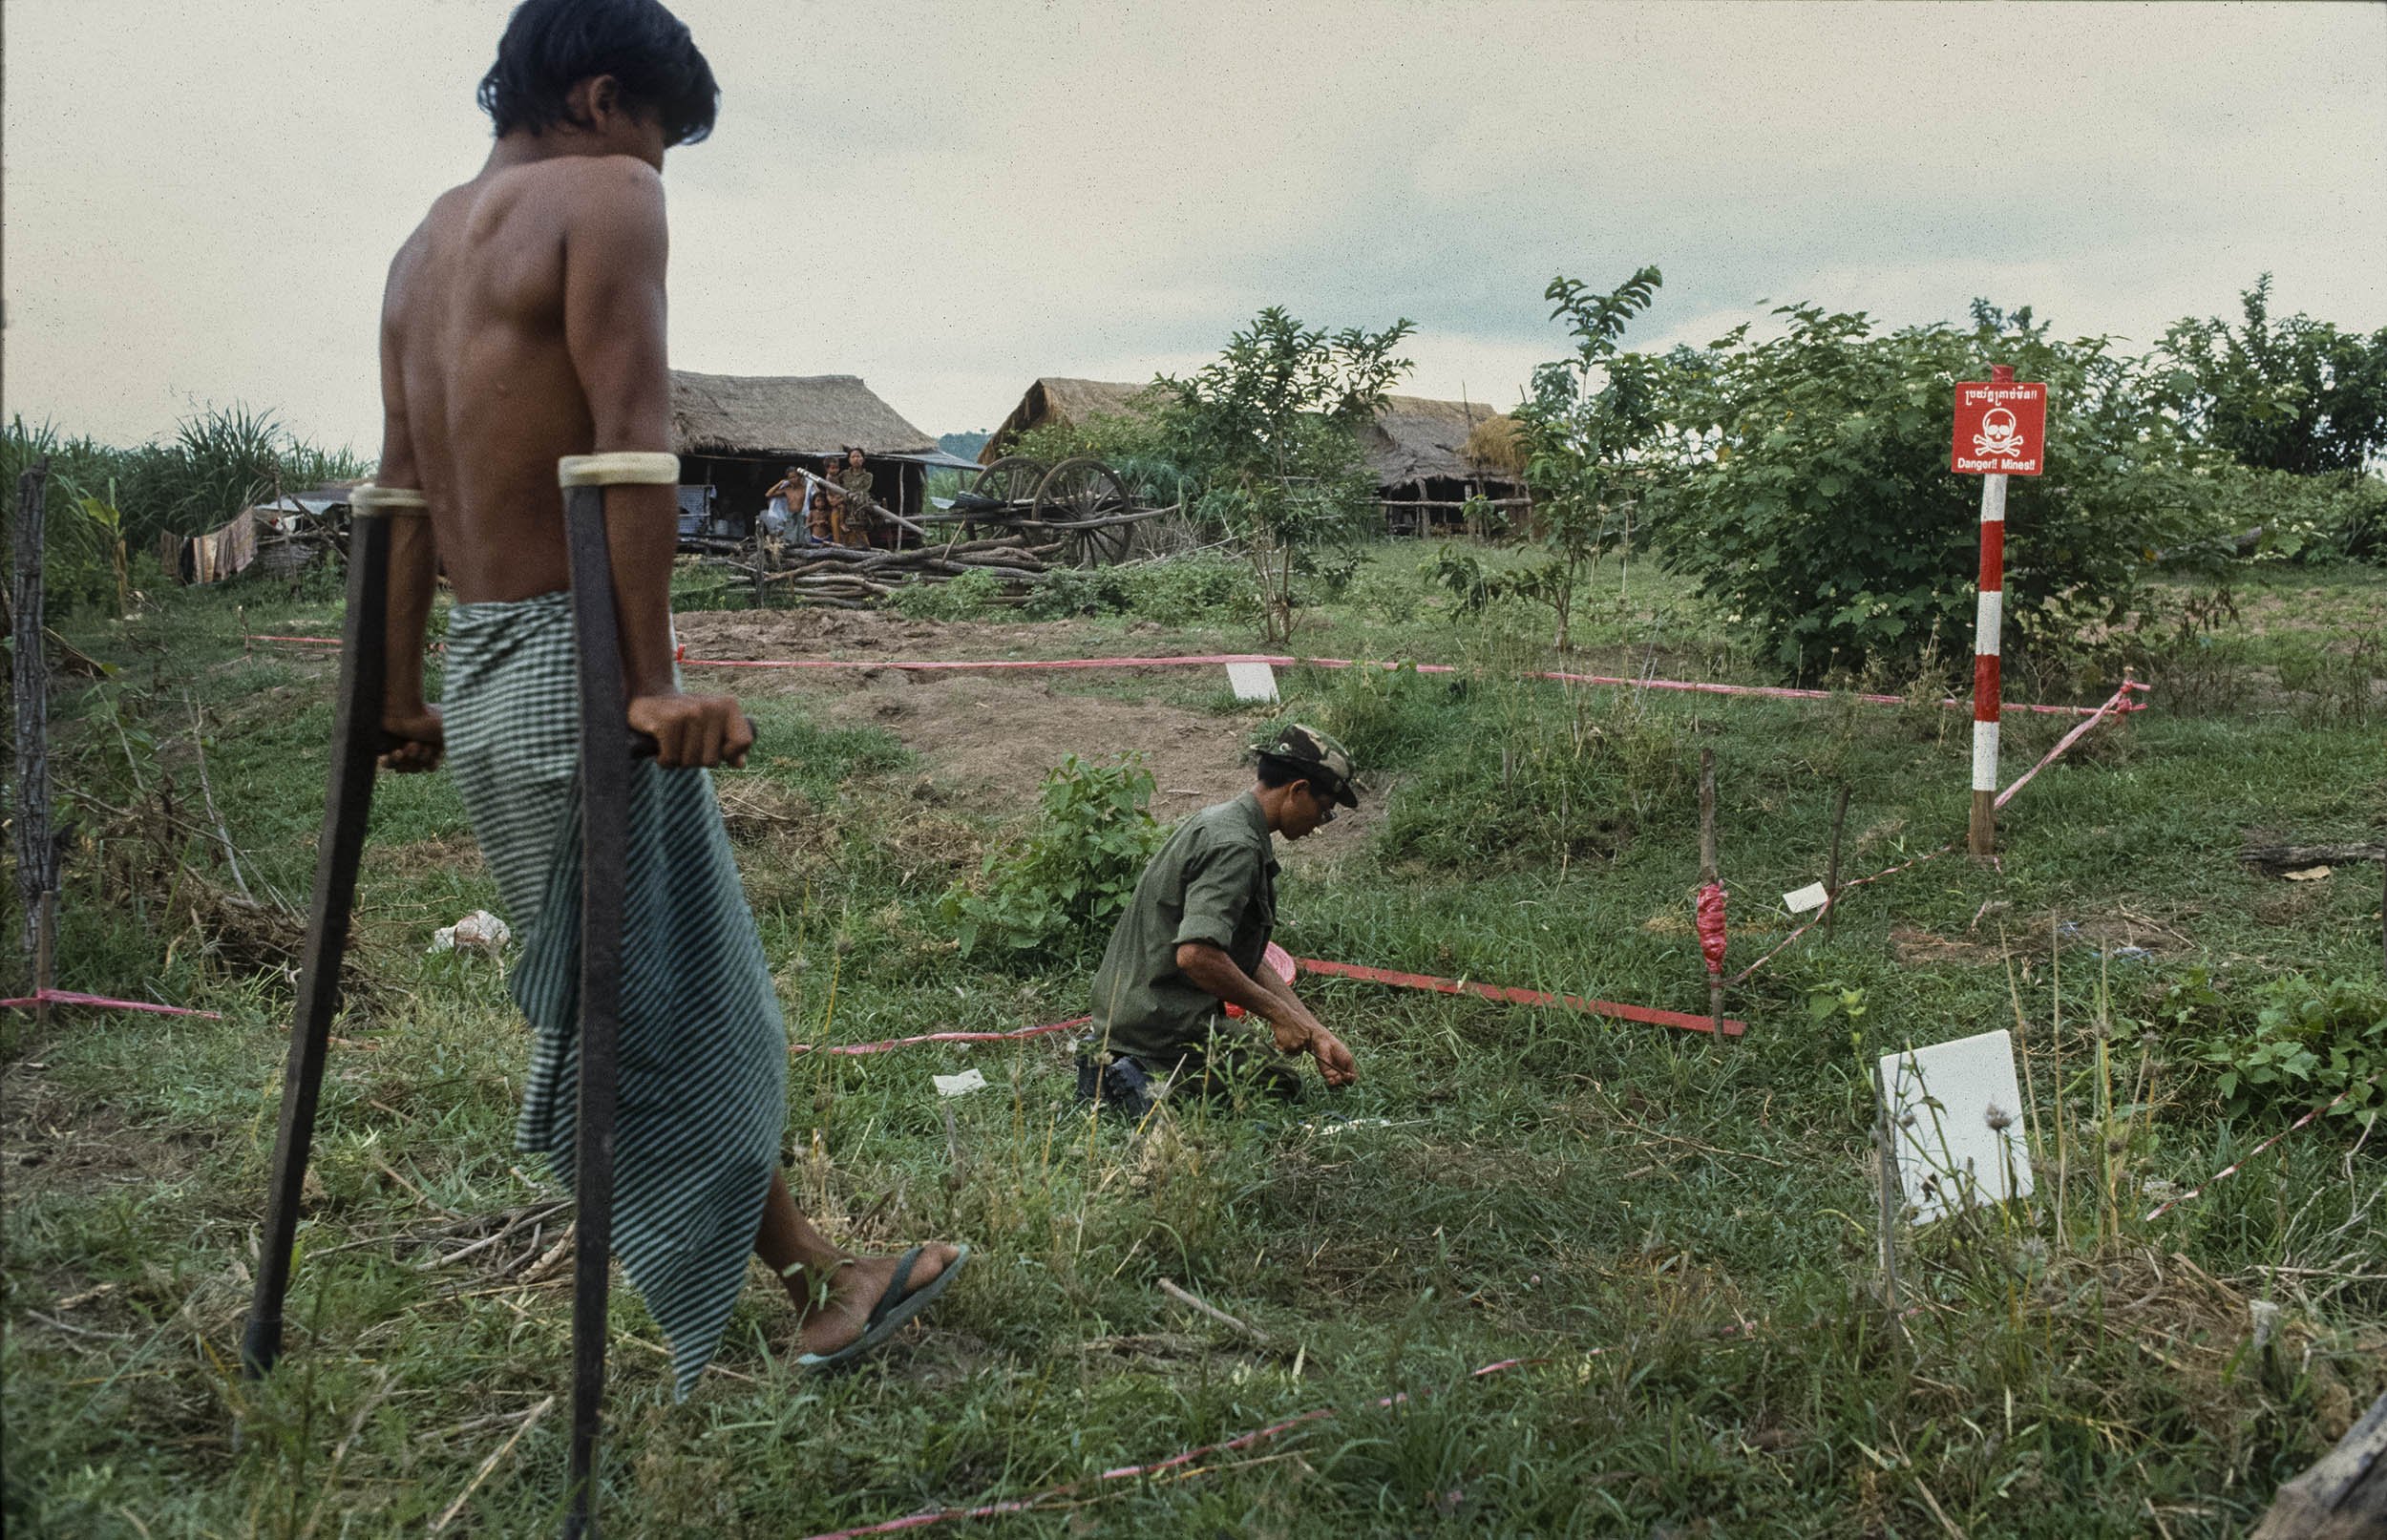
1886,1154
1711,900
1831,877
2342,1498
36,853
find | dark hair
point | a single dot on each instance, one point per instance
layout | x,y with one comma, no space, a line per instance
550,45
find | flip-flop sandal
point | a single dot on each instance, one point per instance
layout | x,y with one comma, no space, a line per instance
896,1307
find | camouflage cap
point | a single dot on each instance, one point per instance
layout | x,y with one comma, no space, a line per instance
1315,755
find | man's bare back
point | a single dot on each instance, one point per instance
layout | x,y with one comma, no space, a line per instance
478,322
523,322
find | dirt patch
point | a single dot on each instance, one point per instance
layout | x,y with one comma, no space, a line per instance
2124,933
827,633
457,853
59,1144
989,739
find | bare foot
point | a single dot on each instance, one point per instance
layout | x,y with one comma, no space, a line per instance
854,1288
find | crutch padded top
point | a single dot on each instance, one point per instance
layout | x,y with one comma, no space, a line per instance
368,501
629,467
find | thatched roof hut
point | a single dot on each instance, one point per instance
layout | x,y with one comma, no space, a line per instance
747,414
1415,439
1066,402
736,434
1429,456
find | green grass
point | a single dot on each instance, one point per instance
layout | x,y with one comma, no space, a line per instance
1680,1230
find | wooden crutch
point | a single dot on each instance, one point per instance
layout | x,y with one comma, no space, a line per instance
356,742
605,752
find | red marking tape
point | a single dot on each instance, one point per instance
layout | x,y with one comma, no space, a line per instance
1521,997
68,997
925,665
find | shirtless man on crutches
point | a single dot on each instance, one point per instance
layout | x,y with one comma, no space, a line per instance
524,323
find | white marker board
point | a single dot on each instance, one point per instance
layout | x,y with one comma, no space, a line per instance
1251,680
1942,1099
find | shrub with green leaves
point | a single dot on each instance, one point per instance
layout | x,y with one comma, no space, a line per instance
1587,420
1175,589
966,598
2286,1044
1272,431
1059,888
1812,498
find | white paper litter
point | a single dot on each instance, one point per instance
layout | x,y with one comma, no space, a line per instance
480,930
961,1084
1814,896
1251,680
1956,1111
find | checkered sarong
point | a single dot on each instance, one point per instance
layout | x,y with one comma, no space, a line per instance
703,1048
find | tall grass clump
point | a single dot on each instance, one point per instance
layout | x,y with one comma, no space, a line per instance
220,461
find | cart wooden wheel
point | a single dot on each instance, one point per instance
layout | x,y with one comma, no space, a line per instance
1076,497
1012,480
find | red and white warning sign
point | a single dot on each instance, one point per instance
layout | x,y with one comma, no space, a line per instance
2001,428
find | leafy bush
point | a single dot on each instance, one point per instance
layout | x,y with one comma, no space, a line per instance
1175,589
2296,395
1811,494
2288,1044
1589,417
1270,431
2333,516
1062,886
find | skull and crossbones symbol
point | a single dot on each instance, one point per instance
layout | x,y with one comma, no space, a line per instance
1999,434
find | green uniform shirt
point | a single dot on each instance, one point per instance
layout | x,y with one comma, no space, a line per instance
1215,881
856,484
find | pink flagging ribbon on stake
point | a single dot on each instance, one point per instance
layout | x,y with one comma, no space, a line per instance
1710,912
1241,1441
2118,701
2235,1166
68,997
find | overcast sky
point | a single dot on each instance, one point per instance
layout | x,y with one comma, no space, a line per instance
200,198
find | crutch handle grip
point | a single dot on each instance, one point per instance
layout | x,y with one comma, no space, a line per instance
622,467
368,500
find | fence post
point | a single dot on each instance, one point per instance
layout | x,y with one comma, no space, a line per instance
36,853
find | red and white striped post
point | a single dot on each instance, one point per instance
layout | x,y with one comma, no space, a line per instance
1988,620
2001,429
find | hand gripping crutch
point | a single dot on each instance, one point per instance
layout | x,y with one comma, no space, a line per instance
356,742
605,752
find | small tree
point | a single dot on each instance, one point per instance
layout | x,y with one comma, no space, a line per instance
1272,432
1588,419
2296,395
1811,493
